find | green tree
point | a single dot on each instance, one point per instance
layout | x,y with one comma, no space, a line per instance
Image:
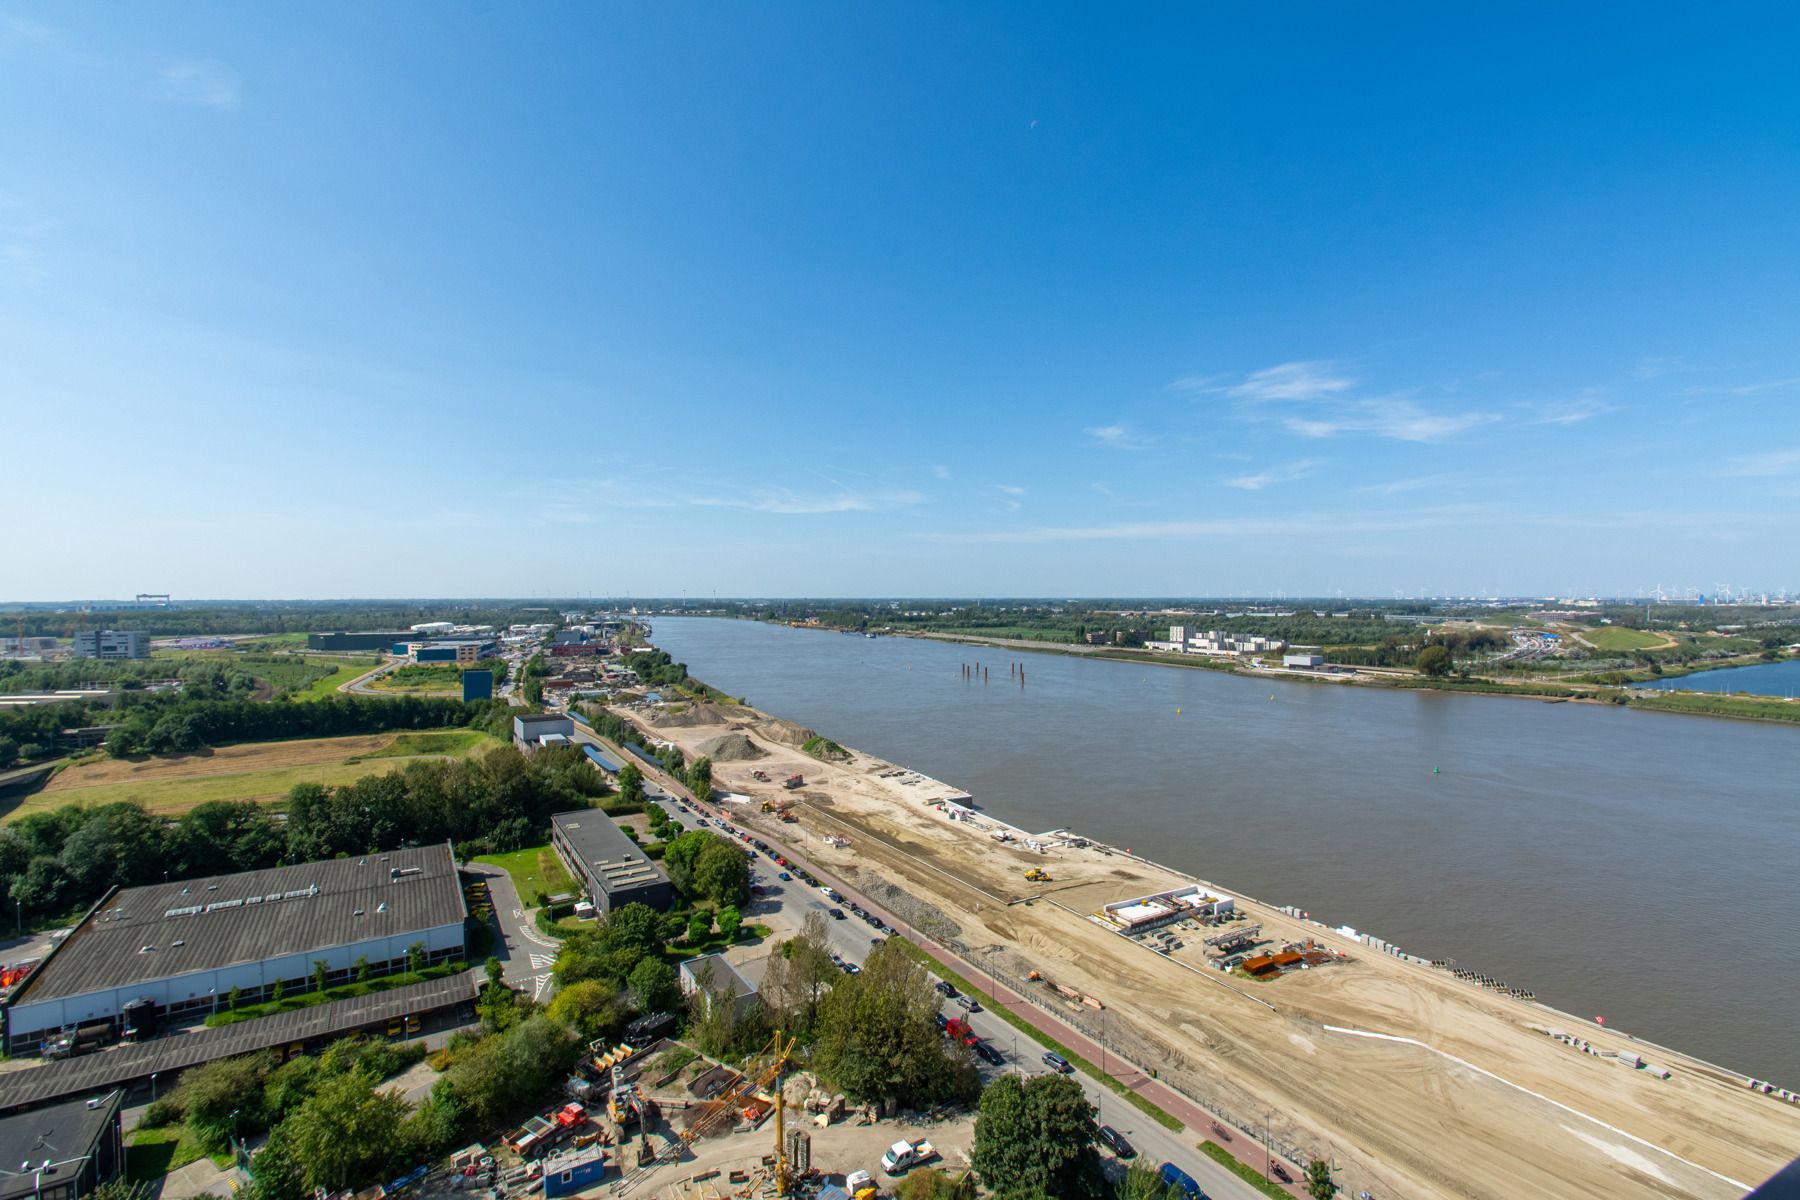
232,997
211,1093
876,1036
348,1133
928,1184
721,874
699,925
319,974
9,751
415,957
730,920
699,778
1140,1182
279,990
653,986
1036,1138
631,783
590,1007
362,969
1318,1180
1434,660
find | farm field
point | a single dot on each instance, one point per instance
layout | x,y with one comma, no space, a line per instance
534,869
260,771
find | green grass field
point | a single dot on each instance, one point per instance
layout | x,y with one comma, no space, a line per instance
534,869
447,743
1620,637
429,679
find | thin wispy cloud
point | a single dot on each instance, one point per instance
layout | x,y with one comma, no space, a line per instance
1009,489
1307,525
1395,487
1768,465
205,82
1119,437
1572,411
1397,417
1747,389
1286,473
22,231
941,471
786,502
1293,381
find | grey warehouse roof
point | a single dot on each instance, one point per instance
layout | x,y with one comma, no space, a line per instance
168,929
58,1134
613,859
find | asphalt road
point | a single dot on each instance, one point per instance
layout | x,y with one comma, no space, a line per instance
852,940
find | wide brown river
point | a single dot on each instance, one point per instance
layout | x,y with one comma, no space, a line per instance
1637,866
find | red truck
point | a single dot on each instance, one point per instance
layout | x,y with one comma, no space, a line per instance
959,1030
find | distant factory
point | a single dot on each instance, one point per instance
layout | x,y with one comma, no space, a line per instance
111,643
1183,640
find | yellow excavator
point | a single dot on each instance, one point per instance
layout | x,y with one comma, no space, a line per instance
1038,875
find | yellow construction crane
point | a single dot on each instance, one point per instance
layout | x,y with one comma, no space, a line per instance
755,1079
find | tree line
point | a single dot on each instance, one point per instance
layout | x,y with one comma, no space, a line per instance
52,863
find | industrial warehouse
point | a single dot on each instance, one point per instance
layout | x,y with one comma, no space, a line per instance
144,955
606,862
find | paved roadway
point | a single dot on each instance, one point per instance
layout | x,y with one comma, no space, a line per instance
852,940
525,954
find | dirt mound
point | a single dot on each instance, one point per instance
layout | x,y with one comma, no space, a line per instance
785,732
733,747
699,713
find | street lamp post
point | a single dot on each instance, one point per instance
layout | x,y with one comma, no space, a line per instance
1268,1142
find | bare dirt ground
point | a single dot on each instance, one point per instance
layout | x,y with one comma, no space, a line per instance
1486,1106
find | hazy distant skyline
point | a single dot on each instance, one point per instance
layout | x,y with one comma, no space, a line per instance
845,300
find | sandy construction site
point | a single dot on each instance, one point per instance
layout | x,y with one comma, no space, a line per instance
1417,1083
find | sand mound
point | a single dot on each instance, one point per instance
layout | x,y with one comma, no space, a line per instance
699,713
733,747
785,732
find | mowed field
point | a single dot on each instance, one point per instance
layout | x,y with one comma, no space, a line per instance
261,771
1619,637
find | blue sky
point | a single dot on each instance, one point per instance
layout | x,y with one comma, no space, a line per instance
849,299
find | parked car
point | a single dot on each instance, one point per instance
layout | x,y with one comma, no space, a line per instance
837,914
1057,1062
785,877
413,1024
1115,1141
991,1055
945,988
1180,1183
970,1003
941,1019
394,1027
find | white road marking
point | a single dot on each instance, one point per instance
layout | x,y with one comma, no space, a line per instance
540,961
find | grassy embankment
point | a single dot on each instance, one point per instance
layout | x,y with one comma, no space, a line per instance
260,771
153,1153
344,670
1244,1171
1035,1034
343,991
427,679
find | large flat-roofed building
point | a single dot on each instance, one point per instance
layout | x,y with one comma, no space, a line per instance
606,862
171,949
111,643
379,639
63,1152
532,731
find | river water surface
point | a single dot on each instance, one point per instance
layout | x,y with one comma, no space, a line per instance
1635,865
